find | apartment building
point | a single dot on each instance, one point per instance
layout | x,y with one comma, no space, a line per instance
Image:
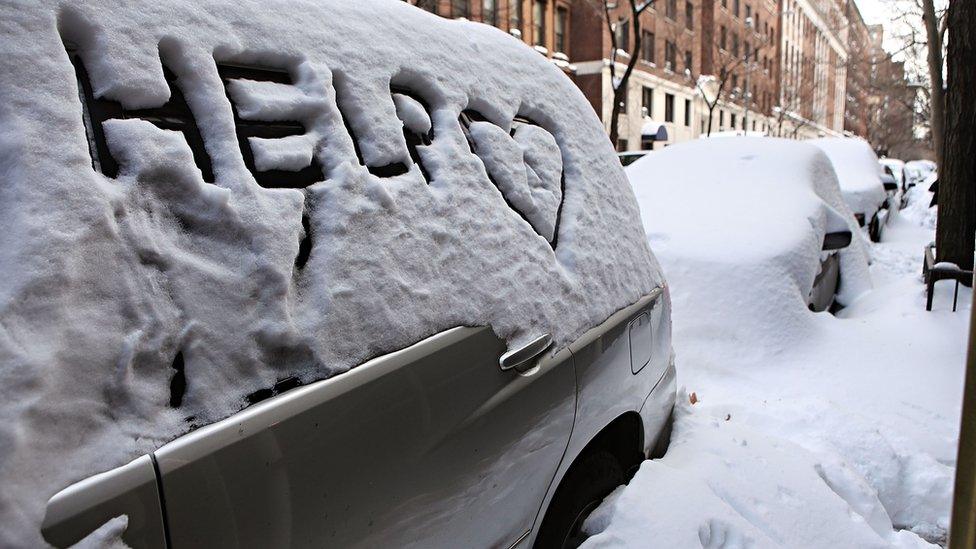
813,61
739,44
660,105
862,56
790,68
543,24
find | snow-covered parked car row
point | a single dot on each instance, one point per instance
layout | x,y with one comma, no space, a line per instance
316,274
755,209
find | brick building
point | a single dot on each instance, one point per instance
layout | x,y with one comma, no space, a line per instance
739,41
813,66
543,24
861,58
661,88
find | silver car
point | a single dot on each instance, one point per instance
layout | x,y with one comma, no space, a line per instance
457,440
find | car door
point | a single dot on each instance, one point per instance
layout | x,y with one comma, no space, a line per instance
434,445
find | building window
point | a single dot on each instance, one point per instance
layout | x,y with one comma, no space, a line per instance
670,55
647,101
671,11
688,112
721,118
732,119
562,21
647,46
539,23
427,5
723,35
489,12
748,50
515,15
689,15
621,145
688,62
622,30
459,8
748,11
669,107
735,8
735,44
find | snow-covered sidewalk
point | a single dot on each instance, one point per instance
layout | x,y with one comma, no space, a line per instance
842,435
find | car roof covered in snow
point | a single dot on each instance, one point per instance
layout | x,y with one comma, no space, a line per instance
404,174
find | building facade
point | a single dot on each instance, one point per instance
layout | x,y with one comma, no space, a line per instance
813,59
660,91
739,43
789,68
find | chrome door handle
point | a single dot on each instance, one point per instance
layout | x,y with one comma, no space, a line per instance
520,358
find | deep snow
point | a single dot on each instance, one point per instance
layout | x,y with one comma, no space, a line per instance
109,284
845,436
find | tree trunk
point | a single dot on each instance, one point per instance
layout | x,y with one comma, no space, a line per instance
956,230
937,97
620,89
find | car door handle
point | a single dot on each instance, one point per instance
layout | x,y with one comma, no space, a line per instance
521,357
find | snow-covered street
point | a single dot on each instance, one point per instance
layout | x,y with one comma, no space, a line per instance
842,436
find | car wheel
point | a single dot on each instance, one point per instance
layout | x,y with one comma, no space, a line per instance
588,481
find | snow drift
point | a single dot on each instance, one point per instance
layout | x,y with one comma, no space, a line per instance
119,290
807,429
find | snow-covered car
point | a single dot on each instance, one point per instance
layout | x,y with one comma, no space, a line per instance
916,171
861,181
314,274
764,209
895,168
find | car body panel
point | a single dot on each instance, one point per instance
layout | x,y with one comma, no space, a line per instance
129,490
609,389
433,445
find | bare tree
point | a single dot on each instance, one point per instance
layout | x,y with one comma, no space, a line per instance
620,83
923,48
729,67
934,33
955,236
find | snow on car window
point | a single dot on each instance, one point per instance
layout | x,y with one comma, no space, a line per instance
278,212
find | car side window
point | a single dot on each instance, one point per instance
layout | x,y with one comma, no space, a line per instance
174,115
272,139
525,163
418,130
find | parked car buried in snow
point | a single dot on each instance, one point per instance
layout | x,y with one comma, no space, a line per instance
861,181
765,209
329,274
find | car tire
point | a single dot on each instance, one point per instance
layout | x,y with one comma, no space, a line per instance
586,484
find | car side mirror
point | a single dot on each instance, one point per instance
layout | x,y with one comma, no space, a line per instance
836,240
889,183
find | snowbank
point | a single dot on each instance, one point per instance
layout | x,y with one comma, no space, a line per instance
744,219
836,431
858,172
113,288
